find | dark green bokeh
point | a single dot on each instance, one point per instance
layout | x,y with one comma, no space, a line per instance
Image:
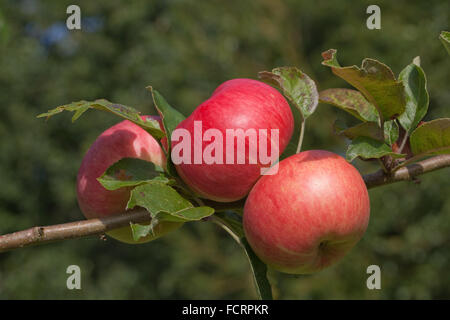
185,49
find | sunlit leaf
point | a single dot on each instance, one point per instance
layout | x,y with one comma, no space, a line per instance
130,172
170,118
375,81
300,89
129,113
366,129
160,198
391,132
415,83
445,39
368,148
431,138
351,101
141,230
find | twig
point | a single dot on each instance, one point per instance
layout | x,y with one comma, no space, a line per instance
71,230
302,133
220,223
402,145
379,178
383,166
79,229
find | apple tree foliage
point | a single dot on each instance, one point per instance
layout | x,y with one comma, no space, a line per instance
390,110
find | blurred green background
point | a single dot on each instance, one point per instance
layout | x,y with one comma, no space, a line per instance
185,49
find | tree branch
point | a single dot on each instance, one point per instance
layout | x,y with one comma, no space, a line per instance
79,229
71,230
409,172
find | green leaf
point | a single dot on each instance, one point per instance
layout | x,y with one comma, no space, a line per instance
164,203
330,59
391,132
431,138
129,113
170,118
259,271
191,214
368,148
291,148
131,172
233,225
186,215
445,38
351,101
415,83
141,231
366,129
296,86
375,81
370,130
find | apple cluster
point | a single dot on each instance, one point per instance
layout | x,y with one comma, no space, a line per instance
300,217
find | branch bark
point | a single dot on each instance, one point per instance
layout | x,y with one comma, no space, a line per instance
71,230
409,172
79,229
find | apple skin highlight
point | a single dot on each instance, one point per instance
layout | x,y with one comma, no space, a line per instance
308,215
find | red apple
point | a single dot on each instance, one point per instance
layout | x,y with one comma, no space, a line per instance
123,140
309,214
236,104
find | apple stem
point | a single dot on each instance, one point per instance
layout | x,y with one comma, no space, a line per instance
302,133
405,138
383,166
220,223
